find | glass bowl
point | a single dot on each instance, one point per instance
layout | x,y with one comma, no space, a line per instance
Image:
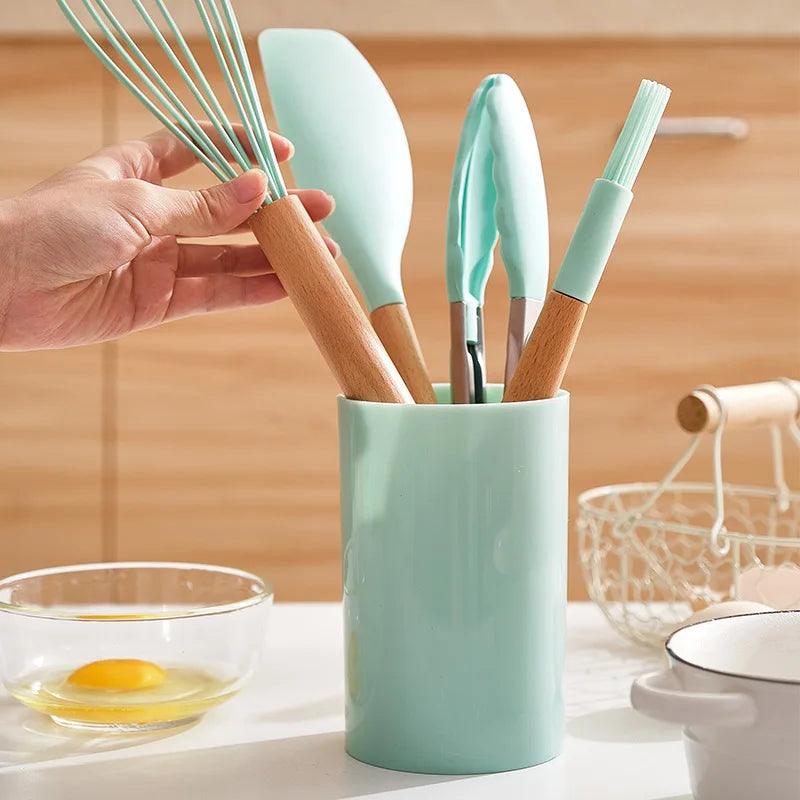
130,646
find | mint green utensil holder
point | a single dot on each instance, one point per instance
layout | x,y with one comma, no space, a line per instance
454,524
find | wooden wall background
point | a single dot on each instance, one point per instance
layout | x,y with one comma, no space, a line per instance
215,439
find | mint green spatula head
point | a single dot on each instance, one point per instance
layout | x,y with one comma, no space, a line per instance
350,142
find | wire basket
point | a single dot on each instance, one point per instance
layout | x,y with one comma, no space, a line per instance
654,553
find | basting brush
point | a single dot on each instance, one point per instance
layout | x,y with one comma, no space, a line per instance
545,359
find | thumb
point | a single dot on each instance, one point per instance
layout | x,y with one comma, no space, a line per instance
207,212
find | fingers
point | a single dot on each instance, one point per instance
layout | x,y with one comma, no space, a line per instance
192,296
332,246
170,157
203,260
319,204
161,155
207,212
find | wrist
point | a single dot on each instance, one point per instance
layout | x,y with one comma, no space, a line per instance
8,267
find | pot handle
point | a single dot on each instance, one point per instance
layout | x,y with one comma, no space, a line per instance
658,695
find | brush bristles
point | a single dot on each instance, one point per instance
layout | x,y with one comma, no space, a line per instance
637,134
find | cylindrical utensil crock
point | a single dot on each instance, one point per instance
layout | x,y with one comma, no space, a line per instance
454,524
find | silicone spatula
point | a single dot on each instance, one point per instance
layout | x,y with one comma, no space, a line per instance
350,142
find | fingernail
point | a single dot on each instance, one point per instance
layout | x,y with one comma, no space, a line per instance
289,146
250,187
337,251
333,201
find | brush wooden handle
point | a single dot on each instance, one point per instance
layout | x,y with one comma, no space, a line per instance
393,325
326,303
749,406
545,358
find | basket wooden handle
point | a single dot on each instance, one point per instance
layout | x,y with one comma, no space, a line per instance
750,406
326,303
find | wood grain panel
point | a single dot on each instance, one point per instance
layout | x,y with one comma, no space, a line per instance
51,498
227,424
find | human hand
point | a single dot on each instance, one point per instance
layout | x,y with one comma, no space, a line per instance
93,253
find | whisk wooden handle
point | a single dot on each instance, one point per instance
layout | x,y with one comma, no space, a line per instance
748,406
546,357
326,303
393,325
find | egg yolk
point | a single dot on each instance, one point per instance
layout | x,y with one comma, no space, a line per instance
120,674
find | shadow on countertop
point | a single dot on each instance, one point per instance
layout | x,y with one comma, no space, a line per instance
312,767
622,724
28,737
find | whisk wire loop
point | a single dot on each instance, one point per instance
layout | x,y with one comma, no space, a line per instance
123,78
199,74
208,102
160,98
158,86
227,62
255,100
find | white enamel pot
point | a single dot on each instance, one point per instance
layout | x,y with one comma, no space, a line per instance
734,686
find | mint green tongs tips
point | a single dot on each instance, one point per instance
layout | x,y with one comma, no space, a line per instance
497,193
546,356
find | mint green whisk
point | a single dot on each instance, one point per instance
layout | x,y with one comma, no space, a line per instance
290,241
155,93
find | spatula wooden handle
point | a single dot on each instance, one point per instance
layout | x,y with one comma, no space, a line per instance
749,406
393,325
545,358
326,304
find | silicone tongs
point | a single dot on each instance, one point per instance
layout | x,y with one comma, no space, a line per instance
497,193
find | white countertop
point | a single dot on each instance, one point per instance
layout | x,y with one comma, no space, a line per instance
282,736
